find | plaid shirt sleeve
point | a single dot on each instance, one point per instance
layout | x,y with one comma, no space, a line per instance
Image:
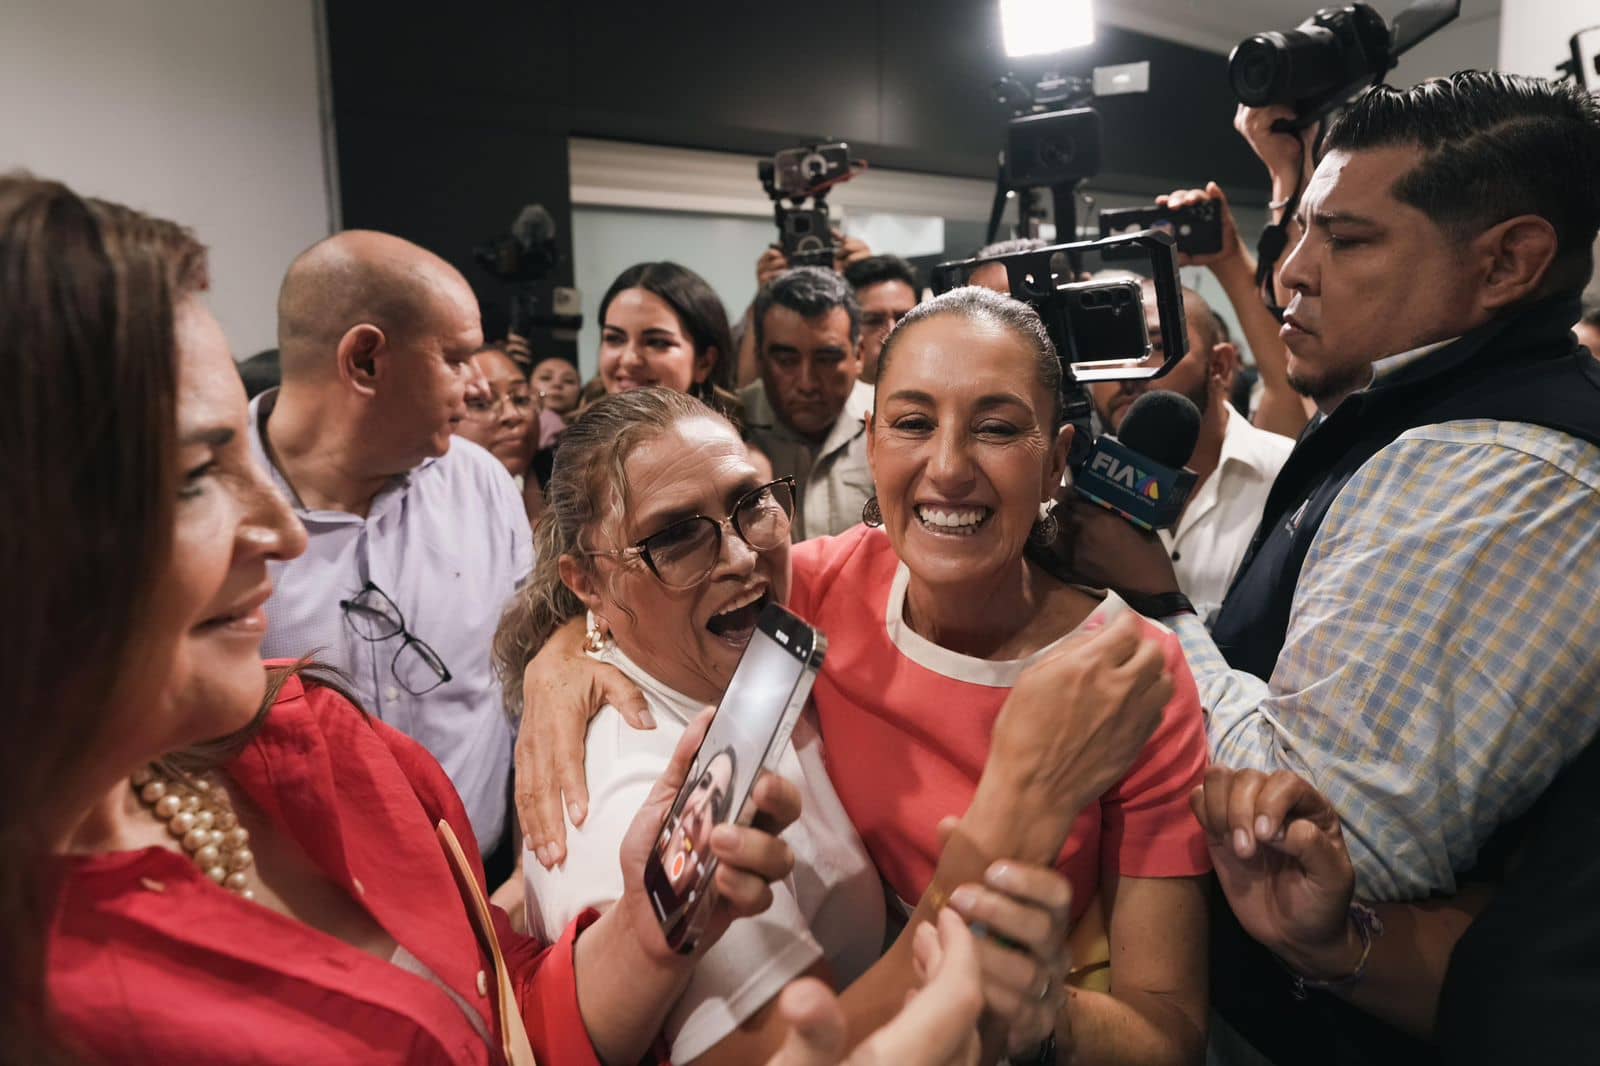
1439,668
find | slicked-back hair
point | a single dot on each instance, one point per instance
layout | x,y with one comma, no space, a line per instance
1494,146
809,292
977,304
879,269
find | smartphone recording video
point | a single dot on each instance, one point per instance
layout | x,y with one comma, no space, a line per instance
747,735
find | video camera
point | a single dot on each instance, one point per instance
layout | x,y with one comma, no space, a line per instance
1330,57
1098,327
797,175
525,258
1053,142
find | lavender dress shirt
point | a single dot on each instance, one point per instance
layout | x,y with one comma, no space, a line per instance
449,543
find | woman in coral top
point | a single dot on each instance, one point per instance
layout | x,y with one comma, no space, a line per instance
933,615
194,873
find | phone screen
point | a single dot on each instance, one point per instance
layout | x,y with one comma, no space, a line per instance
755,715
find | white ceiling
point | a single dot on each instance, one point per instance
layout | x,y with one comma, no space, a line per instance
1218,25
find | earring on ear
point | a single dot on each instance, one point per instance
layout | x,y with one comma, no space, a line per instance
1045,530
595,639
870,513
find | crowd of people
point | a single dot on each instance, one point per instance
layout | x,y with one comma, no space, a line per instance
358,679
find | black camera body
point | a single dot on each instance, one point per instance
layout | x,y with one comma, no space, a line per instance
1055,148
800,173
797,180
524,259
1316,66
805,235
1197,229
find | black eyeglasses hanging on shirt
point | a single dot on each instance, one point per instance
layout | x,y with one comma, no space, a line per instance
375,617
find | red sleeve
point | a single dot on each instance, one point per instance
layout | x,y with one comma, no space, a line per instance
1148,829
815,565
546,983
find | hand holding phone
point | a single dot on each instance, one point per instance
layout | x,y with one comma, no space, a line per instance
747,735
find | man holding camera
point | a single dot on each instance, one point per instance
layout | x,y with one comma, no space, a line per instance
808,412
1411,631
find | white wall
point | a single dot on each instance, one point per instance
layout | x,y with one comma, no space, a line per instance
204,111
1472,42
1534,33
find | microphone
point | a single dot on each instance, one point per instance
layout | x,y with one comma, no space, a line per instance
1139,474
533,226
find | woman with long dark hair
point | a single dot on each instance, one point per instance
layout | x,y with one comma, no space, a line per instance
207,860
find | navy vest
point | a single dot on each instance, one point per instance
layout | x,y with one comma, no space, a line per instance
1523,368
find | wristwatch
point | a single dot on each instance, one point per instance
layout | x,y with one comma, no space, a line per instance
1158,605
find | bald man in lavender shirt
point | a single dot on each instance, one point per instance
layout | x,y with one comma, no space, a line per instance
417,538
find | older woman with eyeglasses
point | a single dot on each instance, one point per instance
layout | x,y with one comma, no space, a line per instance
664,539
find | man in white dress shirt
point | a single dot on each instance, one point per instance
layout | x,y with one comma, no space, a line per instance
1235,461
417,538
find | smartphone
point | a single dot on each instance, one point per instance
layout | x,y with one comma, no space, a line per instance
1105,323
747,735
1197,228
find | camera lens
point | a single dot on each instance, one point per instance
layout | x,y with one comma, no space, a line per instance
1258,69
1057,152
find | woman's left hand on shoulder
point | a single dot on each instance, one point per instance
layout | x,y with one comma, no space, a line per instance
750,858
1023,917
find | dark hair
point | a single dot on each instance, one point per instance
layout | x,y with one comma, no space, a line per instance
809,292
976,304
879,269
1010,247
1494,146
88,371
698,308
260,372
588,483
720,813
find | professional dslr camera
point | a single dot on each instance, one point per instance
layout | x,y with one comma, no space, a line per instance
525,258
1330,57
795,176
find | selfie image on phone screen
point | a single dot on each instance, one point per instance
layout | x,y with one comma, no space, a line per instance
751,725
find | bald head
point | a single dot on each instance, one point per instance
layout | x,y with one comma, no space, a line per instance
361,277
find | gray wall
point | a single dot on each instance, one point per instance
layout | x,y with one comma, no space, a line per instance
199,111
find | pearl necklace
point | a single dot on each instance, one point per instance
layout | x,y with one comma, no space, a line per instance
202,820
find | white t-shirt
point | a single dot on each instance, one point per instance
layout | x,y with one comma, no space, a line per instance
1215,530
830,907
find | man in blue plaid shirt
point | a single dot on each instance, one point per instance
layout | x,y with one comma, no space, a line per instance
1414,631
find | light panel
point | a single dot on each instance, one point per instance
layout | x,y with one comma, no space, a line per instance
1038,27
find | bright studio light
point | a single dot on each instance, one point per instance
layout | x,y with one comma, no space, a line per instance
1036,27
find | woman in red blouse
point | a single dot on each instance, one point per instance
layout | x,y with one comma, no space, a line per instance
291,892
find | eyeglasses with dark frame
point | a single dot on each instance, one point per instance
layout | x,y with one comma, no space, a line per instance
684,553
375,617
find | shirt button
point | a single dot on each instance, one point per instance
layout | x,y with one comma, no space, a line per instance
1176,556
355,883
391,694
152,884
483,984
